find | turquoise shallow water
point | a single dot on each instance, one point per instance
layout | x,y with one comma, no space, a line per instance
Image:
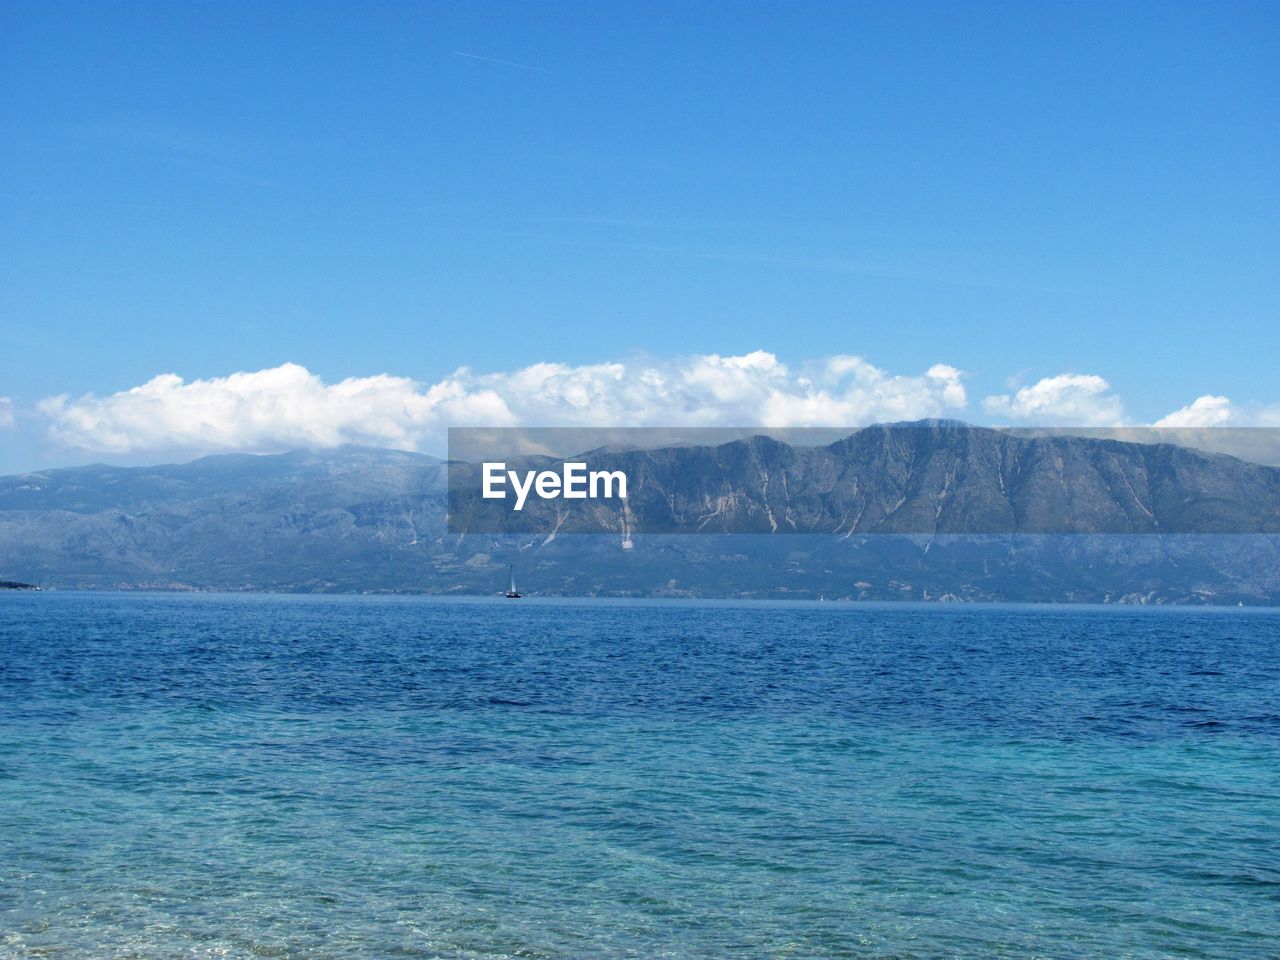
361,777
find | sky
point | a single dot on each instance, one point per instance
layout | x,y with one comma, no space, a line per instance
250,227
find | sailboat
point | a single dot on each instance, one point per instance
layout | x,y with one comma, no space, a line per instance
512,592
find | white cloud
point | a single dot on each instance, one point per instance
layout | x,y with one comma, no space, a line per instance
288,406
6,412
848,391
1218,411
1206,411
1069,399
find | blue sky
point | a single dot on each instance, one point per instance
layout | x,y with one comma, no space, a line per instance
1016,191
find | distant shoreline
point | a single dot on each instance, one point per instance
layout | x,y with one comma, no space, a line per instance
835,603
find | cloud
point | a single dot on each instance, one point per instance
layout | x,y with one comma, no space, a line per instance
1069,399
1206,411
1085,400
1218,411
288,406
848,391
283,407
6,412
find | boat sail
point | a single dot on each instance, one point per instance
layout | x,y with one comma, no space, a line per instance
512,592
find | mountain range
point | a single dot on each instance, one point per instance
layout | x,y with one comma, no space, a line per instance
933,510
927,477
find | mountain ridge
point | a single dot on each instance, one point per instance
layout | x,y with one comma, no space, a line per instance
926,477
361,519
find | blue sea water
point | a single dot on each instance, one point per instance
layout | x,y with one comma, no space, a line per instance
247,776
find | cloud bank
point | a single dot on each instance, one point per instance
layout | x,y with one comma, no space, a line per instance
288,406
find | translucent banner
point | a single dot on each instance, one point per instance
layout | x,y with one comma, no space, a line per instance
932,477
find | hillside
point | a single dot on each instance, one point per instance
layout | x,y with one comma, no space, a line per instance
935,511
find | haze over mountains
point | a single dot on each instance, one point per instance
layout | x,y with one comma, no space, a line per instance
928,511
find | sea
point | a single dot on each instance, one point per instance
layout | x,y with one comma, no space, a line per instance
203,775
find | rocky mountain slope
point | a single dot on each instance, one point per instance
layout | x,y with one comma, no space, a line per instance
935,511
938,477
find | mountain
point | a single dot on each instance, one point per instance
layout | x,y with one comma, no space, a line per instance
298,521
935,510
930,477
